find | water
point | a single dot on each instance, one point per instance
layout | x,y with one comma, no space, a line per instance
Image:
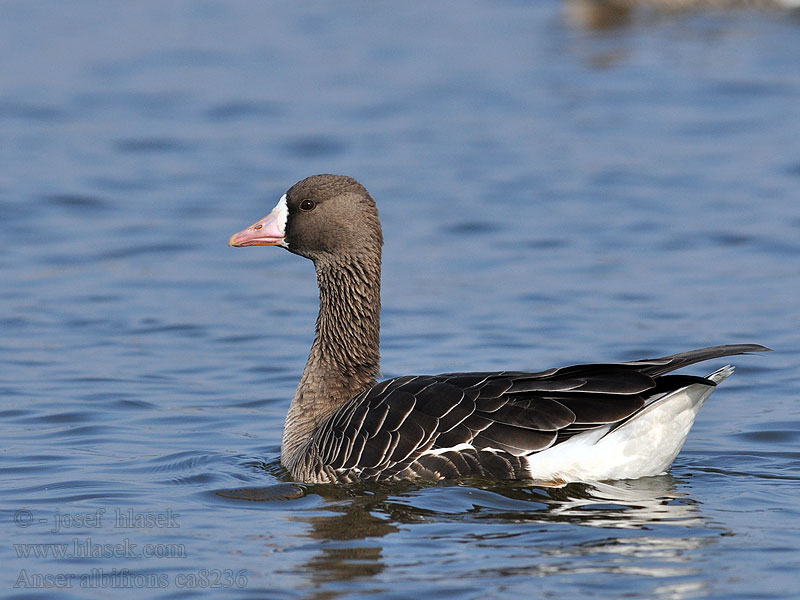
550,194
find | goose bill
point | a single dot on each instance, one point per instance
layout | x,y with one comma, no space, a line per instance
266,232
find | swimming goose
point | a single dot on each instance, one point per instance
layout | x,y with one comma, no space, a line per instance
580,423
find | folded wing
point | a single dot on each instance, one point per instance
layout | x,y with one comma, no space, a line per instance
457,424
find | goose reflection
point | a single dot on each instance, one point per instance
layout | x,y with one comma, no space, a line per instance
602,14
349,544
633,504
647,528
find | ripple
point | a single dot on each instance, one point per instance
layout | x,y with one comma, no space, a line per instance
472,228
32,112
244,111
153,145
746,87
66,417
204,479
725,238
777,436
60,486
314,146
183,461
13,413
184,329
90,433
547,243
145,249
78,202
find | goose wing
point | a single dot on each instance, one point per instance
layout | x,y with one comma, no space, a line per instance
456,424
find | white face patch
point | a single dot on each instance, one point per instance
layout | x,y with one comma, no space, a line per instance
281,212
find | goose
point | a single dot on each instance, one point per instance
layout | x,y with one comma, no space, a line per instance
590,422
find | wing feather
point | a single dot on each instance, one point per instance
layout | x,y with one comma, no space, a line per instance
482,423
543,414
411,436
401,404
460,434
457,414
438,399
602,408
514,440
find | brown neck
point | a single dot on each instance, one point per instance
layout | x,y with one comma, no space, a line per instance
344,358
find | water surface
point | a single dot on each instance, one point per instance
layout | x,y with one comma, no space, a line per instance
550,195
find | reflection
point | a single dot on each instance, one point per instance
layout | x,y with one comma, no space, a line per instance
647,527
338,561
597,14
348,536
630,504
603,14
270,493
634,504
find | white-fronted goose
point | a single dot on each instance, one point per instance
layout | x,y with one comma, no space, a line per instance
580,423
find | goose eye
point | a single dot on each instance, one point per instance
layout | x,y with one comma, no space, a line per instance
307,205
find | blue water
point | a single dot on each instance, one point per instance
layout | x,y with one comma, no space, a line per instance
550,193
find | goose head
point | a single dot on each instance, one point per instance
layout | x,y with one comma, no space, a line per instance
326,218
